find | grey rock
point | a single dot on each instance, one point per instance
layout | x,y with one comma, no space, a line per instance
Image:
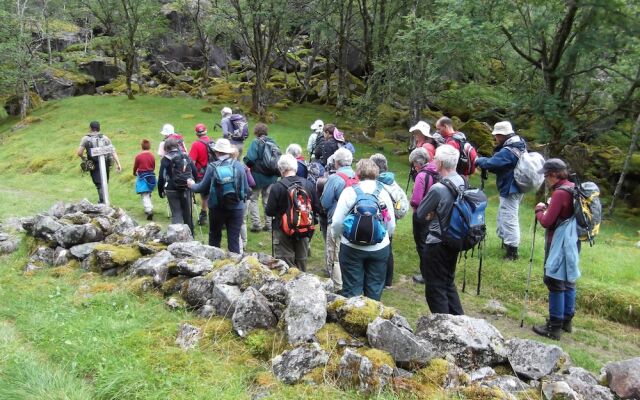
8,243
533,360
275,291
253,274
494,307
177,233
188,336
72,235
57,210
351,342
227,275
42,256
623,377
123,222
193,248
272,263
193,266
290,366
100,69
559,391
224,299
29,268
582,382
148,248
328,285
207,311
306,311
400,321
76,218
197,291
357,369
156,266
61,256
143,233
28,223
87,207
482,373
472,342
13,224
173,303
82,251
402,373
406,349
104,223
252,312
506,383
45,227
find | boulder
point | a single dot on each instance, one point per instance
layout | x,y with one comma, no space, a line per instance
306,311
101,71
441,373
42,256
197,291
192,266
76,218
8,243
534,360
356,370
481,374
194,248
87,207
356,313
142,233
275,291
72,235
224,299
472,342
227,275
82,251
506,383
188,336
559,391
156,266
252,273
177,233
290,366
582,382
53,84
123,222
45,227
623,377
406,349
58,209
252,312
107,257
61,256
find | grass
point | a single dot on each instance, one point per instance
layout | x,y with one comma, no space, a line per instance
67,334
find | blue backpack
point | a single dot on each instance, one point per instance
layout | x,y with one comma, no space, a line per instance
224,182
364,224
466,227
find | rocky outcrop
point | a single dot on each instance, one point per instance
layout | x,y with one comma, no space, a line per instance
177,233
406,349
580,381
8,243
306,311
533,360
252,312
101,70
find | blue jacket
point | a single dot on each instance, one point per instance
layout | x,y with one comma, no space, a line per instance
333,189
563,262
251,159
503,163
207,186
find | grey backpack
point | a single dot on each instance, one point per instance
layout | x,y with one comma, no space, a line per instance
526,172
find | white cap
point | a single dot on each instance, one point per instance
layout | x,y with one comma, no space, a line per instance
167,129
423,127
223,146
226,111
502,128
317,126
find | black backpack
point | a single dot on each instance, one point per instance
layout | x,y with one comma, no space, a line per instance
180,169
211,154
97,141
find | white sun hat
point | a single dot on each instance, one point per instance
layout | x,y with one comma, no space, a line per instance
317,126
423,127
223,146
502,128
167,129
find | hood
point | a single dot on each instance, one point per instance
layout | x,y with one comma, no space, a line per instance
387,178
514,141
431,166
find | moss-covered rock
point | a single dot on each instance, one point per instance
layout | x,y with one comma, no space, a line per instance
141,285
266,344
109,256
476,392
479,134
441,373
329,335
356,313
173,285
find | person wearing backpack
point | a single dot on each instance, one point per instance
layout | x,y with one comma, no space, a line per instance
202,154
226,184
400,205
292,204
562,249
96,139
439,259
330,144
296,151
423,138
425,176
316,130
467,159
144,166
363,221
335,184
503,163
176,168
168,131
235,128
262,157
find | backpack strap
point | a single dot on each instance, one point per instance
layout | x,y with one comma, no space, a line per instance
358,190
379,188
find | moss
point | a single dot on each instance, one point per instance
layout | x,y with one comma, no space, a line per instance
207,109
121,255
265,379
103,287
479,134
476,392
140,286
530,394
215,328
80,79
218,264
335,305
435,373
39,164
173,285
389,116
265,344
377,357
356,317
290,274
388,312
329,336
66,269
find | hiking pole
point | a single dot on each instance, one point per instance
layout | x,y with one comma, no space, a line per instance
480,248
193,196
484,175
464,275
526,292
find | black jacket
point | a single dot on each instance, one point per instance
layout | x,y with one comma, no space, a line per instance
165,181
328,148
278,202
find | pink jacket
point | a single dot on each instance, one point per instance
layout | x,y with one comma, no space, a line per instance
424,181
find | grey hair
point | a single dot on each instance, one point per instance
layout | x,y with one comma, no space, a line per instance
343,157
419,155
287,162
294,149
448,156
381,162
171,144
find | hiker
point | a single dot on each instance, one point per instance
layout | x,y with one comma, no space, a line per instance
400,205
363,263
169,132
466,160
342,142
235,128
439,260
425,175
226,184
561,251
96,139
292,200
503,162
144,167
423,138
330,144
200,154
344,177
252,183
260,162
176,168
316,130
296,151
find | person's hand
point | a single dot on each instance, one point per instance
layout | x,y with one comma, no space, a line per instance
119,168
540,207
190,182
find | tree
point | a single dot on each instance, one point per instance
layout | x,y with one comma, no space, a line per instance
627,162
199,13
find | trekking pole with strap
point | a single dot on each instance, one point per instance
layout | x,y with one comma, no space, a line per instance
526,292
480,251
464,275
273,251
193,196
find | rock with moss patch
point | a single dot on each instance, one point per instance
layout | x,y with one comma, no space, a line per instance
58,210
197,291
174,303
224,299
108,257
42,256
177,233
76,218
192,266
188,336
227,275
472,342
195,249
407,349
251,273
82,251
61,256
534,360
441,373
356,313
506,383
482,373
290,366
357,370
623,377
582,382
253,311
143,233
275,291
559,391
306,311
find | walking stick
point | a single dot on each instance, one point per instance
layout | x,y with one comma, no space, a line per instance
480,248
464,275
526,292
193,196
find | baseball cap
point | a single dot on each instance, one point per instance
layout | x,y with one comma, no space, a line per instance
553,164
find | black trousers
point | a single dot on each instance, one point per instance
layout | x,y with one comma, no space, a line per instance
419,236
180,203
389,278
439,272
97,181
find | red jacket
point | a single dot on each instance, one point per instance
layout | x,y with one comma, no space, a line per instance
200,154
144,162
560,208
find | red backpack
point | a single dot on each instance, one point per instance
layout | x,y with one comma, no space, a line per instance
348,181
467,160
297,221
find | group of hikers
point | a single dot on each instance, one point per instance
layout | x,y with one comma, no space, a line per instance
356,207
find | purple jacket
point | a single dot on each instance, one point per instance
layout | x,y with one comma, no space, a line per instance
424,181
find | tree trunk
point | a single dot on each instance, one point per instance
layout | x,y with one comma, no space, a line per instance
24,104
625,167
257,95
129,60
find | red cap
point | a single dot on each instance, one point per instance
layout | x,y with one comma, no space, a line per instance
201,128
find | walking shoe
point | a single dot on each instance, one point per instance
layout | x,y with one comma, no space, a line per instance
418,279
149,216
552,329
511,253
566,324
255,229
202,219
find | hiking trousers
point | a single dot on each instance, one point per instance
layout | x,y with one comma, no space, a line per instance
439,274
331,252
254,209
146,202
363,271
97,181
293,251
180,203
232,219
508,223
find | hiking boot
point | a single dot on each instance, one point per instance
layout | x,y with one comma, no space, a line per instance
511,253
255,229
202,218
552,329
418,279
149,216
566,325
